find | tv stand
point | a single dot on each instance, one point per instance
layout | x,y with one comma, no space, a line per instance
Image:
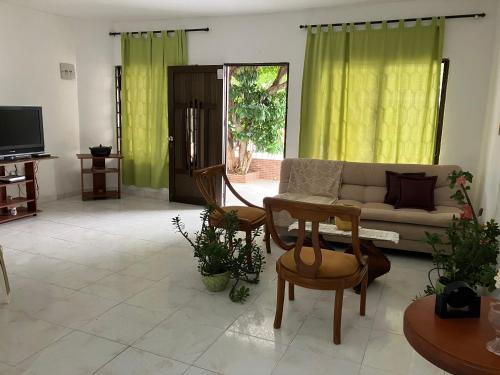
26,205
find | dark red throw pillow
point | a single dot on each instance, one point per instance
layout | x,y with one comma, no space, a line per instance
417,192
393,185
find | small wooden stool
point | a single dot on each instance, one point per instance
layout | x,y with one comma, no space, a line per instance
4,271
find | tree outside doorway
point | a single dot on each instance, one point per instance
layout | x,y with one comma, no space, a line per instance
257,104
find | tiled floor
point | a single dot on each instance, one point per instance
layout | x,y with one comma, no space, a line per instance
108,287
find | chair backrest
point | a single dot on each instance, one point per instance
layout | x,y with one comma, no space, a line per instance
315,214
207,180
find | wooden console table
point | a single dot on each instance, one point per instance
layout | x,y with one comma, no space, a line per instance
26,205
98,171
457,346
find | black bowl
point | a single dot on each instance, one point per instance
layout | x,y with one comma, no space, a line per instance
100,151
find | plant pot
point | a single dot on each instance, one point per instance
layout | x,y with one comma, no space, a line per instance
217,282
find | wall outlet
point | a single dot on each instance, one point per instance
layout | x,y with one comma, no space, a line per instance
67,71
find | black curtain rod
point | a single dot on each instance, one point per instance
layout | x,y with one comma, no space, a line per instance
471,15
159,31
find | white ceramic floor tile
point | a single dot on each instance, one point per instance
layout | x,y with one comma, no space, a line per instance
391,352
75,354
215,309
124,323
164,296
193,370
9,370
76,310
30,296
259,322
127,250
22,335
77,276
236,353
117,287
316,335
179,338
134,362
300,362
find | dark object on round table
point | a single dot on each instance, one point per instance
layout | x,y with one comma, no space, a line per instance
100,151
458,300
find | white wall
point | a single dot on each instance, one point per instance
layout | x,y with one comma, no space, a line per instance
277,38
32,44
95,74
96,96
490,164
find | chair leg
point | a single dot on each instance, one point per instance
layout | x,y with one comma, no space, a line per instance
267,239
4,272
280,300
362,303
337,315
291,291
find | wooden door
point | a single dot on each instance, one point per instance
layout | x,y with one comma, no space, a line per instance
195,127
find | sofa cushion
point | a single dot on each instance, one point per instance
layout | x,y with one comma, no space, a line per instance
394,185
416,192
374,211
365,182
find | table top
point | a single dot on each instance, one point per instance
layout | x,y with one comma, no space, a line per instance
89,156
364,233
25,160
454,345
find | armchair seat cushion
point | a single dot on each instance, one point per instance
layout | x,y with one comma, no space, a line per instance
334,264
252,214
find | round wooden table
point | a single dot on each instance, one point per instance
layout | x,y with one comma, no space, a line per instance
455,345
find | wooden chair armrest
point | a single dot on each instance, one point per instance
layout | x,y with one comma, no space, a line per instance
235,193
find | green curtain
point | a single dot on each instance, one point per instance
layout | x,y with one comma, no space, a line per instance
145,59
372,94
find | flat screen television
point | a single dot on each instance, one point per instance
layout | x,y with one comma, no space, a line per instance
21,131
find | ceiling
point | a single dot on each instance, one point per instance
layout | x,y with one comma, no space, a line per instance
121,10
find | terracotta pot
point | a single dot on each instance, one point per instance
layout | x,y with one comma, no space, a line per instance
217,282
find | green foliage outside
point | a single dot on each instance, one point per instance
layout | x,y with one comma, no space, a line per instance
257,110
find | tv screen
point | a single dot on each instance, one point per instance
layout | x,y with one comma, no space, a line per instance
21,130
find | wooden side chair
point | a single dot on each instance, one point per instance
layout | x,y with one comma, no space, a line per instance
313,267
250,216
4,271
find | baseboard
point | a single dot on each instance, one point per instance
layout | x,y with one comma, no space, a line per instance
55,197
161,193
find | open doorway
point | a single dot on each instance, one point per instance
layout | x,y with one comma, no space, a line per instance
257,102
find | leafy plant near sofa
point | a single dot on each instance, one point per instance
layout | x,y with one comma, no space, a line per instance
468,251
220,250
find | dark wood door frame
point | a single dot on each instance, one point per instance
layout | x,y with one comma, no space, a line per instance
205,95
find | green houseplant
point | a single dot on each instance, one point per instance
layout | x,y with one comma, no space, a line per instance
222,255
469,249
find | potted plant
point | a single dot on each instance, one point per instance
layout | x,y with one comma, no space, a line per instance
469,249
222,255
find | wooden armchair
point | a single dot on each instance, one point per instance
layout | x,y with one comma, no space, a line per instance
313,267
250,216
4,271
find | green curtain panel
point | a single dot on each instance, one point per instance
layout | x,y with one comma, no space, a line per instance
371,94
145,59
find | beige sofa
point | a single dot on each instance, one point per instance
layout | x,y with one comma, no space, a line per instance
364,185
